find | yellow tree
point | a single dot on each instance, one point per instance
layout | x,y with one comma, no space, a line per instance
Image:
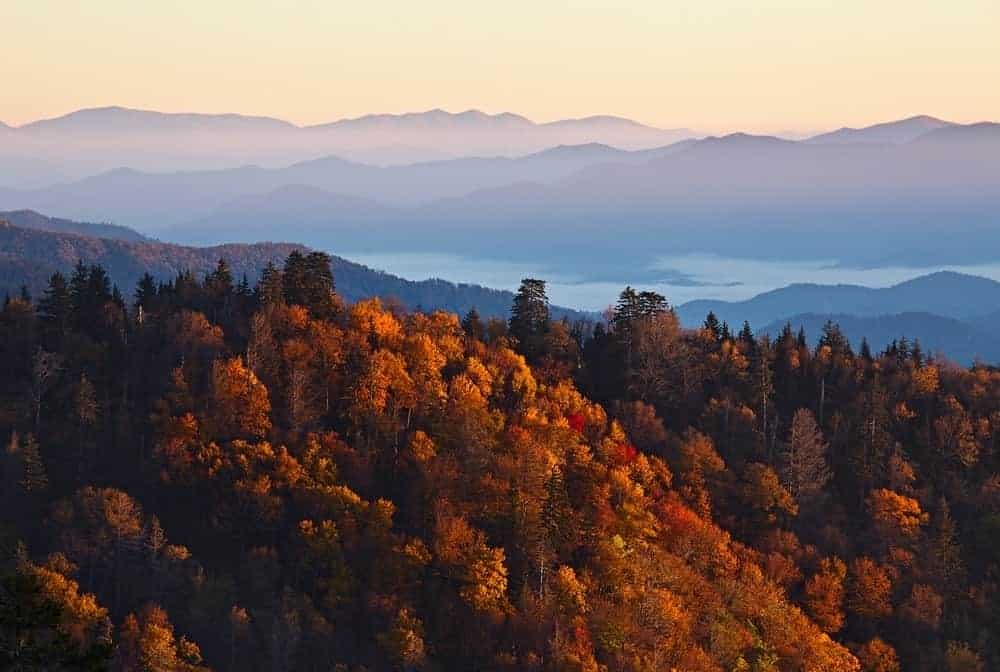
824,594
239,404
897,518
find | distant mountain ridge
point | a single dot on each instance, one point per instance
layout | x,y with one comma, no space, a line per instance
129,119
591,209
955,340
951,313
717,194
946,293
152,200
29,219
91,141
893,132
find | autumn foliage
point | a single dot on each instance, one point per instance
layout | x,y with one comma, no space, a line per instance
272,479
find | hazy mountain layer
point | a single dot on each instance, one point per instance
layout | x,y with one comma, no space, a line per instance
947,294
90,141
931,201
958,341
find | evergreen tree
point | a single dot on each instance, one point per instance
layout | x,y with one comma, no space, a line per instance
145,292
529,318
55,310
220,281
307,281
865,350
833,338
800,338
712,326
270,286
627,311
243,289
473,326
652,303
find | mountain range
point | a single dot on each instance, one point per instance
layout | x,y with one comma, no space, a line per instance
915,192
955,295
950,313
954,340
893,132
929,201
90,141
155,200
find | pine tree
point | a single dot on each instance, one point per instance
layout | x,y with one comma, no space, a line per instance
800,338
55,309
652,303
145,292
472,325
873,442
865,350
712,325
270,287
529,318
763,384
308,281
626,310
243,289
220,281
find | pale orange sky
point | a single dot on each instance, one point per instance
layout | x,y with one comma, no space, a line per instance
713,65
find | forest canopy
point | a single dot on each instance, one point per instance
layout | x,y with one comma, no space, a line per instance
214,474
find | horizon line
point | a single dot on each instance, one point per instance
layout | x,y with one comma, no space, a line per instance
778,130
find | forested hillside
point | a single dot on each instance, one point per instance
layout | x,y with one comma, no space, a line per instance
38,246
29,219
208,476
959,341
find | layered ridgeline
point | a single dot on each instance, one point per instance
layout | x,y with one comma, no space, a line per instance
954,314
33,247
915,192
951,314
90,141
275,480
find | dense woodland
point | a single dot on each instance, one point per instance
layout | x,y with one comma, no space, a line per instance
33,247
209,474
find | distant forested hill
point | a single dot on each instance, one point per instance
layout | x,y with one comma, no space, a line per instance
957,295
965,342
29,219
29,256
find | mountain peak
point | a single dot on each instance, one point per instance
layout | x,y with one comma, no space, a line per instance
889,132
587,149
437,118
744,140
117,119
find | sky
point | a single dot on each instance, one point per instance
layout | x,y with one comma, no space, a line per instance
710,65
